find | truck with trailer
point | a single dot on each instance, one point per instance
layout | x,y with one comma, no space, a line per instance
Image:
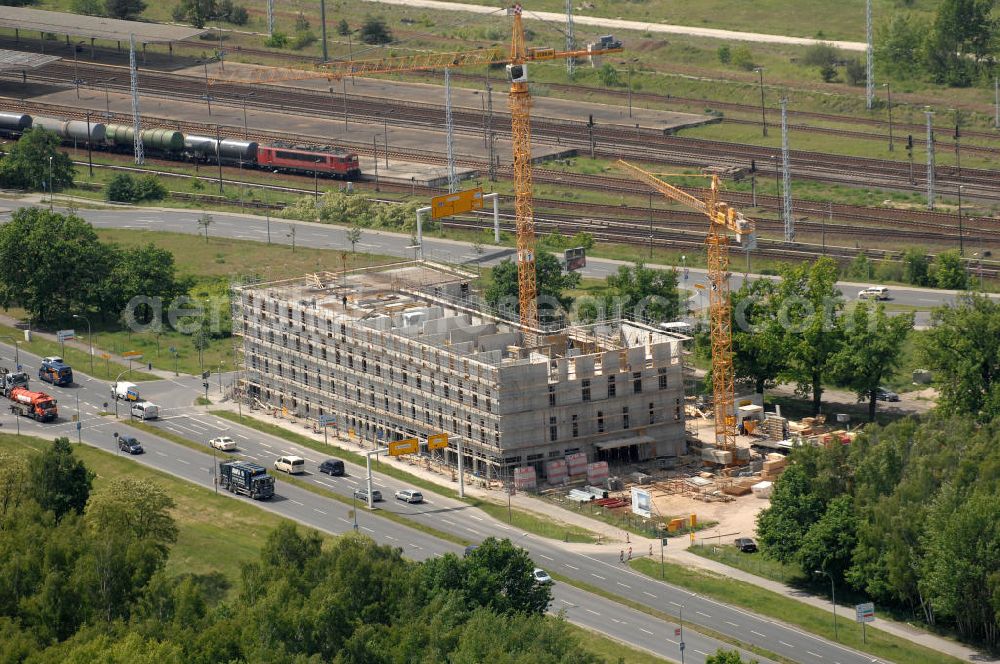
11,379
55,371
36,405
249,479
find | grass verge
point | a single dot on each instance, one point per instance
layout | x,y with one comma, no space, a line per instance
793,612
527,521
586,587
612,650
80,360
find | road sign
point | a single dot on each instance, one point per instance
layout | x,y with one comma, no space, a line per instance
457,203
865,612
327,420
65,335
682,646
172,349
438,441
677,631
206,374
132,355
405,446
78,425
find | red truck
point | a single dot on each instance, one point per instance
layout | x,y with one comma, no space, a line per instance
36,405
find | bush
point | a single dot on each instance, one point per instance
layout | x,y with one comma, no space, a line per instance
854,72
725,55
303,39
819,55
276,40
828,73
124,188
87,7
239,15
375,31
150,188
743,58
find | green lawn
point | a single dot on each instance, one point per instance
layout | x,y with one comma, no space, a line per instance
793,612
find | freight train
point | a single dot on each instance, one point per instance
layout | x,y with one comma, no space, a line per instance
171,144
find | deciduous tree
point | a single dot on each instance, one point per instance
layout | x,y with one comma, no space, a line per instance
59,481
502,290
759,354
34,160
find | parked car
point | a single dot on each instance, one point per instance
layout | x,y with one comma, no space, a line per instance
746,545
129,444
332,467
362,494
292,465
409,496
541,576
874,293
224,443
882,394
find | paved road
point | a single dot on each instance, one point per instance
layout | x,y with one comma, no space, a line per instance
601,569
321,236
619,24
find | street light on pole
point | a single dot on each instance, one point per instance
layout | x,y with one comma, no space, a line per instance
763,117
17,354
833,599
246,131
90,338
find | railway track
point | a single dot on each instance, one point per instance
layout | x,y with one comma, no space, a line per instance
609,141
907,226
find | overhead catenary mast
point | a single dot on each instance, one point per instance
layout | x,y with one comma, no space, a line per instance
140,158
869,58
570,40
786,176
450,131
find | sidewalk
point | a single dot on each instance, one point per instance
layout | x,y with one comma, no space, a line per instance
617,538
84,347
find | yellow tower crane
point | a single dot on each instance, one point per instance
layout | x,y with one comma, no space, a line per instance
519,102
722,220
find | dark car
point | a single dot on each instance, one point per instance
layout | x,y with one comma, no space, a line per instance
129,444
882,394
746,545
332,467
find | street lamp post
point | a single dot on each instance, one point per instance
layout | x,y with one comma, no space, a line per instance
961,239
763,117
246,131
90,338
833,600
888,91
17,354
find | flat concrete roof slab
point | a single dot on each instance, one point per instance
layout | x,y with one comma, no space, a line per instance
96,27
19,60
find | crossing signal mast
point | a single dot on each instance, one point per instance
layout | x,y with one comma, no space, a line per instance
516,58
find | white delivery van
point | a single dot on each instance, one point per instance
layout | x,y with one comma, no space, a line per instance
125,390
145,410
292,465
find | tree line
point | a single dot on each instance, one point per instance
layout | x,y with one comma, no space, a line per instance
54,266
83,578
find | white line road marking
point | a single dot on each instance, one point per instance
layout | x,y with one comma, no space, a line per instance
186,463
703,614
650,594
473,516
542,555
390,537
701,652
160,453
646,631
598,576
732,623
592,611
672,641
343,519
368,529
675,603
571,567
624,585
309,460
615,620
787,645
266,445
320,511
296,502
450,523
814,654
566,603
239,435
472,531
758,634
415,546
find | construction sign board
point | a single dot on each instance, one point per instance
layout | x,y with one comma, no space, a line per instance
438,441
865,612
447,205
405,446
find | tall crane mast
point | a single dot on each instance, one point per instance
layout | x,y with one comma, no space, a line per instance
519,103
722,220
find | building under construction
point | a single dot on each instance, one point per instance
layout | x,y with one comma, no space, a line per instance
409,350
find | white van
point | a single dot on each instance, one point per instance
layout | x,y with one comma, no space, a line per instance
874,293
292,465
145,410
125,390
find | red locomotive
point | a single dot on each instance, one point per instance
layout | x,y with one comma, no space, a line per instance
339,164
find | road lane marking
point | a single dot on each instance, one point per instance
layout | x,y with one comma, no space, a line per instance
646,631
266,445
186,463
319,510
542,555
623,585
675,603
472,531
343,519
239,435
390,537
415,546
701,652
700,613
650,594
368,529
732,623
814,654
566,603
787,645
592,611
571,567
160,453
598,576
450,523
296,502
758,634
473,516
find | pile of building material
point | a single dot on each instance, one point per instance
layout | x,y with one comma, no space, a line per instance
714,455
774,465
775,427
762,489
